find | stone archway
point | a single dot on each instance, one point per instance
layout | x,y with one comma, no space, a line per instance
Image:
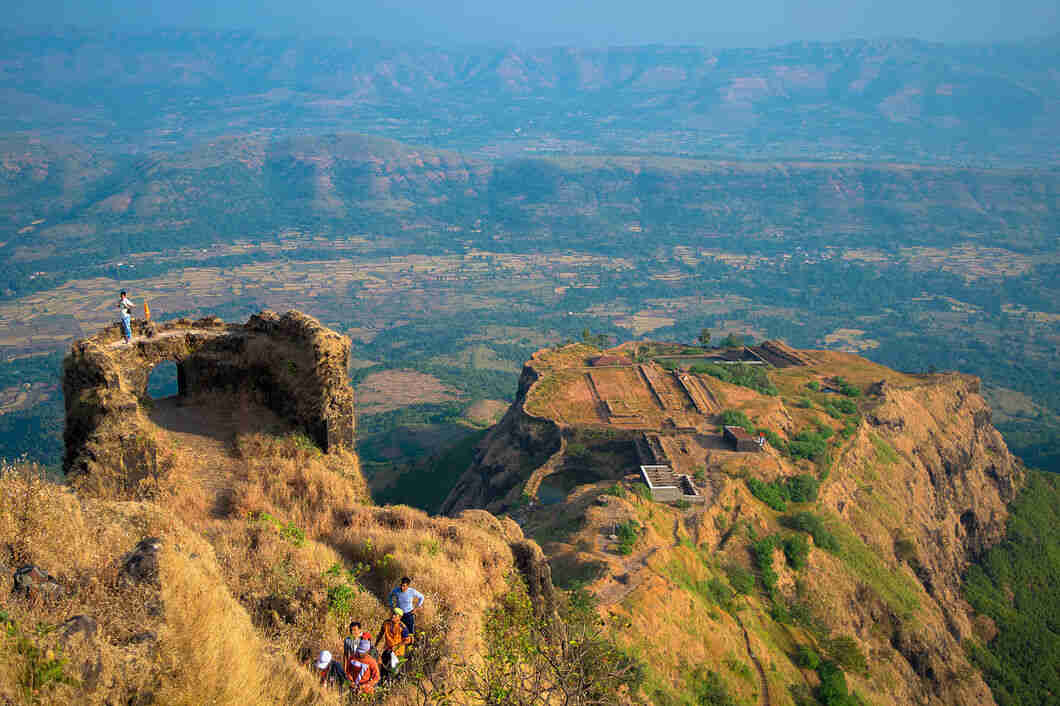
292,363
166,379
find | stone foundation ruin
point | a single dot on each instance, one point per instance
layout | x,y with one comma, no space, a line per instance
291,363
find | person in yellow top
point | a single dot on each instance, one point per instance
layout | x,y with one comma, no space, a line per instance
393,639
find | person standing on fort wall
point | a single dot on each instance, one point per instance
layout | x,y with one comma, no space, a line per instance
126,307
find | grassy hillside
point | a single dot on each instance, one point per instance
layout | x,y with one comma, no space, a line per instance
267,549
823,569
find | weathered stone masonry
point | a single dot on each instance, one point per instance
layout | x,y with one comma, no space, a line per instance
296,366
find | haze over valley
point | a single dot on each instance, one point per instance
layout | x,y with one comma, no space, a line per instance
891,196
552,265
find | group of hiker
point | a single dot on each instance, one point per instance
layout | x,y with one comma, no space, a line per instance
359,670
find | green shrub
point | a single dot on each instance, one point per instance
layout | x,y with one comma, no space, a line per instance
774,440
810,443
847,388
37,671
814,526
772,494
628,532
778,493
846,406
752,376
719,592
831,410
801,488
1017,585
708,689
840,407
846,653
807,658
736,418
803,403
617,490
833,689
885,453
796,551
521,653
741,580
763,557
340,599
779,613
293,534
303,443
288,530
740,668
814,385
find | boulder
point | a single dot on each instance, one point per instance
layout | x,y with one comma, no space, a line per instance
34,582
142,562
83,625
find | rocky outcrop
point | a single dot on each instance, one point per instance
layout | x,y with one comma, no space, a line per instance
296,366
142,562
950,472
917,489
34,583
518,444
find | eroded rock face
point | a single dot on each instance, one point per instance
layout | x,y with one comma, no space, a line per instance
936,501
511,451
294,364
533,565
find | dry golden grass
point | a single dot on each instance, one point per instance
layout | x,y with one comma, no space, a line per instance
185,640
210,652
257,528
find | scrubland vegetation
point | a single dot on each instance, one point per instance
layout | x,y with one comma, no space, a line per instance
1017,586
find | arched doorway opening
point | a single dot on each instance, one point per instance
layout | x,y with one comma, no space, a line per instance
165,381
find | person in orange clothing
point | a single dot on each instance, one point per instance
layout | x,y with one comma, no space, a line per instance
363,670
393,640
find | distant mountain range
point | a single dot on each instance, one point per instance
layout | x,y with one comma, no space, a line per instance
64,208
897,100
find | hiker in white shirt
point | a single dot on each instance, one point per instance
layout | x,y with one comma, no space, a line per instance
126,307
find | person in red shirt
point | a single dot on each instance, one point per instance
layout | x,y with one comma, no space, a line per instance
363,670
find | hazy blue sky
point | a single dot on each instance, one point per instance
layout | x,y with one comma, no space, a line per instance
595,22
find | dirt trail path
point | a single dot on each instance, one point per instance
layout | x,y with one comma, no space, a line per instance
202,437
601,408
636,573
763,695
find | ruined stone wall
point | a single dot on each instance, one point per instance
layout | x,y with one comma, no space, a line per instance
293,364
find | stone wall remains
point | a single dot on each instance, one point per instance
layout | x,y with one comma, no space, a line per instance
291,363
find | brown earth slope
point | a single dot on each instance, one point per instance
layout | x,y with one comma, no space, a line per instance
913,487
245,548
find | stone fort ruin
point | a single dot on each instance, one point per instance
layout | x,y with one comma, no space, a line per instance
290,363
